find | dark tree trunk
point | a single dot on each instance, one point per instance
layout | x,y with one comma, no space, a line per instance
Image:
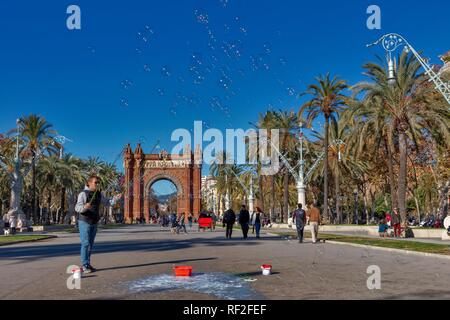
33,187
63,204
49,205
391,176
338,196
325,170
402,175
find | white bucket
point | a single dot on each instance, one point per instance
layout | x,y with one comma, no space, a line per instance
266,270
77,273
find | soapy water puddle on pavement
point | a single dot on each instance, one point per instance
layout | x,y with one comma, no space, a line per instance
223,286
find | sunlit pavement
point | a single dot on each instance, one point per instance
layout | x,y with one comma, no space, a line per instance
301,271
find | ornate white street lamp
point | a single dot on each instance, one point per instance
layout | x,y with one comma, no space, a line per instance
392,42
301,187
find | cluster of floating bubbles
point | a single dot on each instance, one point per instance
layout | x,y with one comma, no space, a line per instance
160,92
165,71
220,65
126,84
124,102
147,68
291,91
143,37
196,68
202,18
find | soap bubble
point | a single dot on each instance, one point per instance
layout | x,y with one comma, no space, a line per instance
291,91
126,84
160,91
165,71
224,83
147,68
282,61
124,102
202,18
267,48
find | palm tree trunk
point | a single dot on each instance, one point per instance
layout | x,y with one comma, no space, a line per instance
338,200
261,193
402,175
325,170
391,175
49,204
33,191
63,204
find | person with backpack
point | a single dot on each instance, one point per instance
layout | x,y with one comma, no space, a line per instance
299,218
229,219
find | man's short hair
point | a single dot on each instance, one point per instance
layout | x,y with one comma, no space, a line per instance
300,205
92,177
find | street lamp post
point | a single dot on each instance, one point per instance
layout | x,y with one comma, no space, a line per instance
251,196
17,140
227,195
301,188
391,42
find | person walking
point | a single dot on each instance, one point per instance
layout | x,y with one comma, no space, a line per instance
229,219
190,221
182,223
214,220
313,218
299,218
396,223
88,208
256,220
244,219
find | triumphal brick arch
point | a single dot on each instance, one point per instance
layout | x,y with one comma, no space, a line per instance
143,170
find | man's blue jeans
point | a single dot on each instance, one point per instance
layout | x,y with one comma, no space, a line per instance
87,237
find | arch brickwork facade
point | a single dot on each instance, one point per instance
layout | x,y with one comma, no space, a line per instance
143,170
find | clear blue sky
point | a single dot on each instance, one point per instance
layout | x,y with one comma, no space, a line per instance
75,79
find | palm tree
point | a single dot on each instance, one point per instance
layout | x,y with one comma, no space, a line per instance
47,173
287,122
267,121
70,179
410,108
38,137
327,101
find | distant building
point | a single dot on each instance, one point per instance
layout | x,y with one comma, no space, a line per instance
209,193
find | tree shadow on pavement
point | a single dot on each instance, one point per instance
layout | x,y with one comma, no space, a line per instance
154,264
36,252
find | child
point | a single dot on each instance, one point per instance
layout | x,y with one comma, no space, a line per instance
382,228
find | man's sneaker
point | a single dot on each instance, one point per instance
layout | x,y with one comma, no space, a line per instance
88,269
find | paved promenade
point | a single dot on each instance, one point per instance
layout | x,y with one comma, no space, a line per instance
132,253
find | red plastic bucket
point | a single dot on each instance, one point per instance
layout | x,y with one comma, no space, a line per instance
183,271
266,269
